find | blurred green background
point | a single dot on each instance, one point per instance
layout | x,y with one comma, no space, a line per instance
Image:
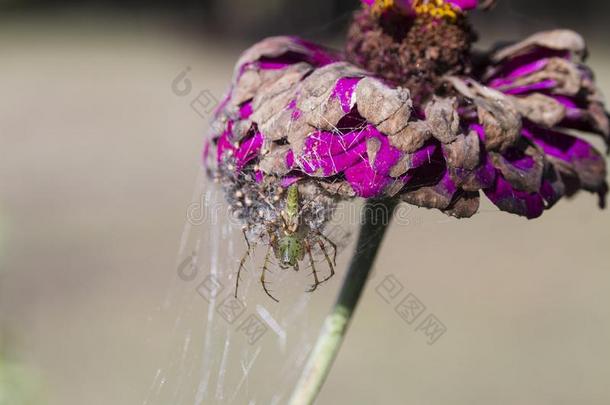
98,162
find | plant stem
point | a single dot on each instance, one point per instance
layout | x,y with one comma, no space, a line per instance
376,216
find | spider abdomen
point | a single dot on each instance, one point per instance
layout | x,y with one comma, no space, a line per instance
290,250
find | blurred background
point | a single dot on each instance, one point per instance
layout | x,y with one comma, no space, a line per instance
98,160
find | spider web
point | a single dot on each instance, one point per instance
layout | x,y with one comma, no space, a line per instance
224,350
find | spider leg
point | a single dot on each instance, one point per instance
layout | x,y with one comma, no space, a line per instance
332,244
246,238
313,268
330,264
242,262
265,269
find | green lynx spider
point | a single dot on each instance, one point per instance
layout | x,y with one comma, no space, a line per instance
290,239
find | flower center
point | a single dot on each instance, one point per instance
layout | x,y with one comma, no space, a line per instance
414,49
436,9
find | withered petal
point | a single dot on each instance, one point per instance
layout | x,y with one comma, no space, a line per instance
464,205
559,40
496,113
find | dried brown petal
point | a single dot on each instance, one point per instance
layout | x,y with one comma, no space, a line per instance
402,166
553,177
241,129
318,110
501,130
284,125
275,161
412,137
589,85
387,108
273,96
591,173
598,118
527,179
270,48
394,188
464,152
465,205
443,119
317,88
436,196
338,188
497,113
540,109
372,147
248,84
470,180
557,40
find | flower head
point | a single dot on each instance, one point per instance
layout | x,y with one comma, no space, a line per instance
408,112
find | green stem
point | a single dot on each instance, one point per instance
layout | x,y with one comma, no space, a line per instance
375,221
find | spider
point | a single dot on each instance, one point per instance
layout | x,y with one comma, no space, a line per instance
291,239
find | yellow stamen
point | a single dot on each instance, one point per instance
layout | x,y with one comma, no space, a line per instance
382,5
436,8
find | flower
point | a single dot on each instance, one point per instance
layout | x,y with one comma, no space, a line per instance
408,111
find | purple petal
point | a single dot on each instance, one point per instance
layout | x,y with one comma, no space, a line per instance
290,180
576,156
248,150
581,114
521,165
507,198
290,159
245,111
485,175
562,146
296,113
371,180
365,181
223,144
521,61
534,87
328,154
464,4
332,153
509,76
318,55
344,89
